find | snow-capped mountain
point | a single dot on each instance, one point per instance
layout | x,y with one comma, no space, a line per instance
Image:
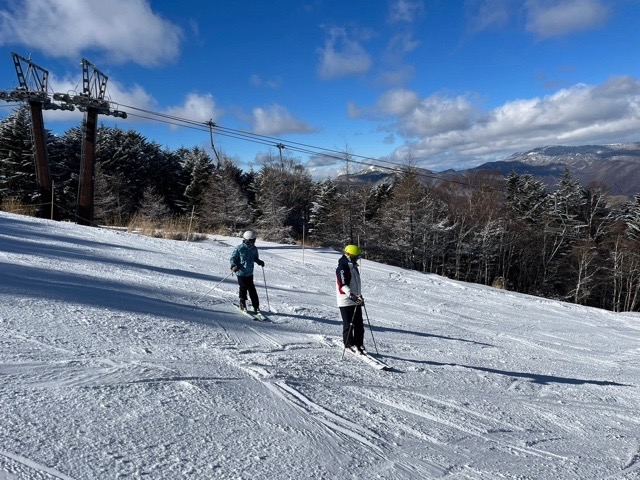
615,166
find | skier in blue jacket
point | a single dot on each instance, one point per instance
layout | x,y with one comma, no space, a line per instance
349,298
242,260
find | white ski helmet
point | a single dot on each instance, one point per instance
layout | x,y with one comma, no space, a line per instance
249,235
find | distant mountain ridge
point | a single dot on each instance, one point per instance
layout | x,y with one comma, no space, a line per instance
616,166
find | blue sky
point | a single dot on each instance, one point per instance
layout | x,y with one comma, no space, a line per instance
438,83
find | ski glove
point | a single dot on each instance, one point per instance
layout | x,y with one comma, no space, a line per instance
234,268
260,262
357,299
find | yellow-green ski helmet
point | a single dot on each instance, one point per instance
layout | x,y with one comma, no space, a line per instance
352,250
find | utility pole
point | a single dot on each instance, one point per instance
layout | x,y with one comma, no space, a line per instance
280,146
92,102
33,88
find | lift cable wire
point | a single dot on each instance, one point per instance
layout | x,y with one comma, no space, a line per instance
269,141
303,148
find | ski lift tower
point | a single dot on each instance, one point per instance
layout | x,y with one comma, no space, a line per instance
33,86
92,102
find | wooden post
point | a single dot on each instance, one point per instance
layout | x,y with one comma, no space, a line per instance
43,173
193,209
84,210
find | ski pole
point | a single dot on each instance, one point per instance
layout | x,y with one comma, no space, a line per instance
350,328
265,289
230,273
370,329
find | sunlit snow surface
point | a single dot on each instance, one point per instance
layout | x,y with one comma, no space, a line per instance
111,368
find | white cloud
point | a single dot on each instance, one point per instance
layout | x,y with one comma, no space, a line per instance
414,117
276,120
551,19
120,30
342,56
436,115
397,102
196,107
544,18
440,127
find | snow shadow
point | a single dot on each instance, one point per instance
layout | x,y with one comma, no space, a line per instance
533,377
58,251
378,329
22,230
71,288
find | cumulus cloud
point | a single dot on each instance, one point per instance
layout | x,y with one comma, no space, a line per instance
544,18
342,56
121,30
439,127
277,120
196,107
551,19
397,102
414,117
321,161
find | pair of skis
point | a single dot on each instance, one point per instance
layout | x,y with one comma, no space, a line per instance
371,360
258,316
368,359
363,356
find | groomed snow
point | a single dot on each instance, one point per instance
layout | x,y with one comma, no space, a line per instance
111,368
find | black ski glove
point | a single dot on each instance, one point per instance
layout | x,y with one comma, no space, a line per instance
357,299
260,262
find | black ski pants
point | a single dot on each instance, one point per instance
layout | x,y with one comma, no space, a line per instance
352,334
246,285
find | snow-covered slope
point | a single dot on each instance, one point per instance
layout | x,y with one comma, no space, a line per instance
111,368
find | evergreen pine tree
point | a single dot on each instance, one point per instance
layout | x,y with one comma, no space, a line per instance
18,178
226,207
325,220
198,168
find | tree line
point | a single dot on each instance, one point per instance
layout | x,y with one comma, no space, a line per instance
570,243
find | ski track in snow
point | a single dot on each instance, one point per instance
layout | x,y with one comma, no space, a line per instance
332,424
122,357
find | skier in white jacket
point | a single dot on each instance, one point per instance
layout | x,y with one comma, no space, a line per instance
349,298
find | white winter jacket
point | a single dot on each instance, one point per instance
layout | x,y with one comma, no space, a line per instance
347,282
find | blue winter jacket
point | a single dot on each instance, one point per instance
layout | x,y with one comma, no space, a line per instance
243,257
